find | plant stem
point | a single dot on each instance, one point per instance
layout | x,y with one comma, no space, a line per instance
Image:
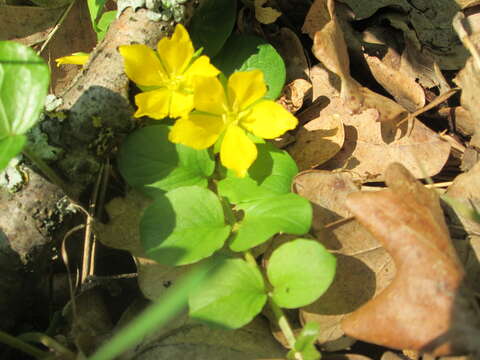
22,346
280,317
282,322
49,343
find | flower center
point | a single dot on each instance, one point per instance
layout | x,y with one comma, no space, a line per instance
174,82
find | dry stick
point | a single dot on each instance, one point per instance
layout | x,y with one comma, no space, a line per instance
57,26
435,102
88,246
463,35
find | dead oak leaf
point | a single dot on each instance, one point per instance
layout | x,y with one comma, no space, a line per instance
419,309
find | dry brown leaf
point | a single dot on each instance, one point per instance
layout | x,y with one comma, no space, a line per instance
122,232
317,17
423,308
265,15
404,89
363,266
461,117
319,139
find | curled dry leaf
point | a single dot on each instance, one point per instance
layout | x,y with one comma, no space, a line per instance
363,266
425,308
293,95
265,15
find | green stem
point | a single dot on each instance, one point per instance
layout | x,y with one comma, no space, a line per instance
49,343
280,317
282,322
46,170
22,346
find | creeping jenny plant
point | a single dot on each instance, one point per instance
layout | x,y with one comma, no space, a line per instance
191,217
167,75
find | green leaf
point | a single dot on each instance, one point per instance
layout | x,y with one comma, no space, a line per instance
149,161
232,297
305,344
183,226
300,271
271,174
246,52
10,147
95,7
288,213
212,24
104,23
24,78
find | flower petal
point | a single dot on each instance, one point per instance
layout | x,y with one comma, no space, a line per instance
176,52
209,95
142,65
154,104
269,120
201,67
197,131
245,87
79,58
237,152
180,104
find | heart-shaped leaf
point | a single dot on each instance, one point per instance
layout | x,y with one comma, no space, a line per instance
212,24
147,160
232,297
300,271
288,213
24,78
183,226
246,52
271,174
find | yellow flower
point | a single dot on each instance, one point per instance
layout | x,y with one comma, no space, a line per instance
225,114
78,58
168,74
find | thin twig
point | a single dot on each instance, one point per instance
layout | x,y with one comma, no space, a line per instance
57,26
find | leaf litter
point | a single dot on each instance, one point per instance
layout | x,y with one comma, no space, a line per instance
367,67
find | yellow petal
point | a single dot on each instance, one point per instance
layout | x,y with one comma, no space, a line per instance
176,52
201,67
245,87
237,151
75,59
209,95
180,104
142,65
269,120
154,104
196,130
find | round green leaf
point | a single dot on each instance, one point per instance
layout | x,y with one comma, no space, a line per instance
24,78
183,226
212,24
300,271
148,160
288,213
10,147
271,174
232,297
246,52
